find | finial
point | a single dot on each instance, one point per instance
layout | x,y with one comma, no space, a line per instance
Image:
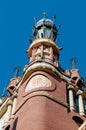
35,19
74,61
54,17
30,40
44,15
16,69
59,26
4,91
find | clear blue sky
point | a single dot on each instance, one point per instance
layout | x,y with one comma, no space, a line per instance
16,22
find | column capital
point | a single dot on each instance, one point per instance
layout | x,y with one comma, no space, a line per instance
70,87
9,102
15,95
12,117
79,92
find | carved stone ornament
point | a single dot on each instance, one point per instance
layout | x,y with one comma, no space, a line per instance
37,81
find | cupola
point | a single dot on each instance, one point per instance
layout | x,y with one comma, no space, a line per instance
45,28
43,46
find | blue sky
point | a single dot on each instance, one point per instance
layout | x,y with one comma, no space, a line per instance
16,22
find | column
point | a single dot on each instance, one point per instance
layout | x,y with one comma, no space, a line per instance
71,98
9,110
33,56
41,51
14,105
51,53
80,102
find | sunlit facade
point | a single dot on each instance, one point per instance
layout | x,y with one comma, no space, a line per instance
46,97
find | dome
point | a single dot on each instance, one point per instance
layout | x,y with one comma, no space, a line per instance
46,22
45,28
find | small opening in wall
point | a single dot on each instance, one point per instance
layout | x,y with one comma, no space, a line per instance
41,35
8,127
78,120
12,87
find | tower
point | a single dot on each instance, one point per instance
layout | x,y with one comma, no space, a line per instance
45,97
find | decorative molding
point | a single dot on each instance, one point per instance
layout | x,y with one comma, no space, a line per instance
45,94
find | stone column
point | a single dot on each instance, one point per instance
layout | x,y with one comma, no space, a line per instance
9,110
33,56
71,98
51,53
80,102
14,105
41,51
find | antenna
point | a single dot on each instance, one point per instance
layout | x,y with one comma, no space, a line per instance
74,61
16,69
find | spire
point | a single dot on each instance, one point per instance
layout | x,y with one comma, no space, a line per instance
16,69
74,61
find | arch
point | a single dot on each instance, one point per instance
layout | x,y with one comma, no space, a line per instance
78,120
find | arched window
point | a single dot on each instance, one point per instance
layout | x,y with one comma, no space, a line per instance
78,120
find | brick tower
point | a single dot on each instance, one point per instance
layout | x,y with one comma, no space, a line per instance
46,97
